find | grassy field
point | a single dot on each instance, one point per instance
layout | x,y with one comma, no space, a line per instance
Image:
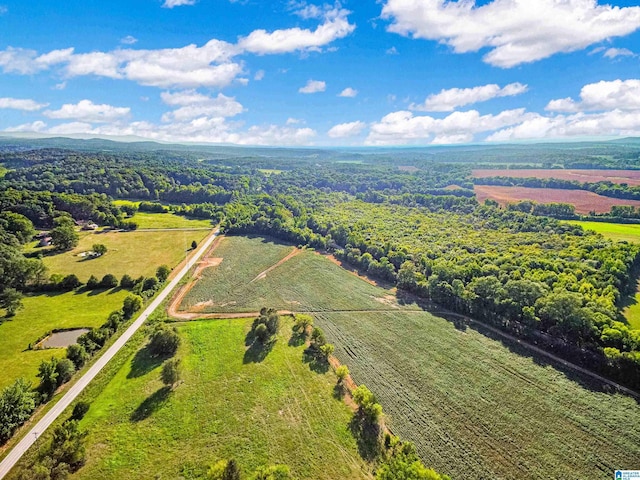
45,312
474,408
614,231
162,220
274,411
135,253
305,282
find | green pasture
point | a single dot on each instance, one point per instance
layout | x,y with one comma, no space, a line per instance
45,312
230,405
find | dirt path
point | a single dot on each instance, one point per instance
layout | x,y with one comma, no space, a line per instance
262,275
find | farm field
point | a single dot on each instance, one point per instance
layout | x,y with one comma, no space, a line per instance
614,231
274,411
135,253
583,200
306,281
474,408
630,177
477,410
45,312
147,220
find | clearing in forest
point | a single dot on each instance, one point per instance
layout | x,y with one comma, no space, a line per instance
583,200
229,405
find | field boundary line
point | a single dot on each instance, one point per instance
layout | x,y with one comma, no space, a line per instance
45,422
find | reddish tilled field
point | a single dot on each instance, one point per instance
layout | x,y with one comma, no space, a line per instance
630,177
583,200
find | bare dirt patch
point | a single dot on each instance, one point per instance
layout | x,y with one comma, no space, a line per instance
583,200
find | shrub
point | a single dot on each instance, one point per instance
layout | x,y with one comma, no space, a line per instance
164,341
131,305
78,355
327,350
109,281
70,282
80,410
162,273
65,369
342,372
170,374
92,283
126,282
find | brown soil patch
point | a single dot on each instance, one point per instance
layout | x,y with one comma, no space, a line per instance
583,200
630,177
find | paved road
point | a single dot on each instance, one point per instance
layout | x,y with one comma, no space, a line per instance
16,453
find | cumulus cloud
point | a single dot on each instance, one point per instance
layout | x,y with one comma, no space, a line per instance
403,127
392,51
210,65
193,104
36,126
515,31
335,26
24,104
604,95
259,75
177,3
350,129
313,86
348,92
448,100
88,112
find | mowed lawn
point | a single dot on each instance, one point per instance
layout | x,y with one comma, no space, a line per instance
41,314
163,220
477,410
274,411
620,232
135,253
305,282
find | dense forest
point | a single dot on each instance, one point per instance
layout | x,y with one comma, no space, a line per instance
412,221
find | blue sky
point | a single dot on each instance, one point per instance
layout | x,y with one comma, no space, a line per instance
292,72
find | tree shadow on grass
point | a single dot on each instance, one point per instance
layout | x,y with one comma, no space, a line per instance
339,391
257,351
151,404
143,362
297,339
317,363
368,436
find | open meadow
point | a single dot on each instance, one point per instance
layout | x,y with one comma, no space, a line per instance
476,407
45,312
583,200
229,405
136,253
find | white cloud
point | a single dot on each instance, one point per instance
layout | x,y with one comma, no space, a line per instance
618,52
193,105
60,86
350,129
36,126
27,62
335,26
129,40
259,75
70,128
348,92
604,95
294,121
313,86
403,127
515,31
27,105
448,100
177,3
392,51
89,112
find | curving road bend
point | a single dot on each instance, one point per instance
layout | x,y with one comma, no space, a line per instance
16,453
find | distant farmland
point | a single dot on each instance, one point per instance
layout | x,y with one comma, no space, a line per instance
630,177
583,200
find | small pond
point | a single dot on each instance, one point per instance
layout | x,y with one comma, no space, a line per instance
63,339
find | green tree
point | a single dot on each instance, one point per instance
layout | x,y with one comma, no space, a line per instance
93,283
17,402
170,374
162,273
18,225
11,301
403,463
48,375
131,305
64,237
126,281
342,372
80,409
164,341
194,245
78,355
109,281
99,248
262,332
327,350
367,403
65,369
303,322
